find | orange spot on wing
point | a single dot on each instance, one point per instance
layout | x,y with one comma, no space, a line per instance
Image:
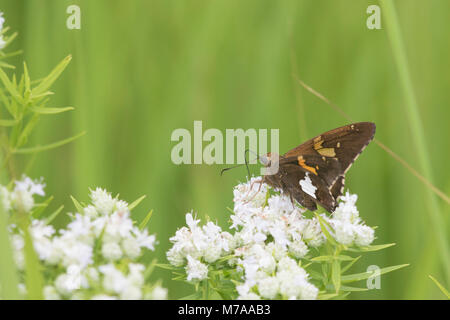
301,163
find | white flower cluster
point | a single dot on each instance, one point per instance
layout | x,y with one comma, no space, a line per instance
347,225
271,236
21,197
2,41
194,244
88,252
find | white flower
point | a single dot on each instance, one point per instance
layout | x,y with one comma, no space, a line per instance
102,201
298,248
343,232
67,282
113,280
2,41
50,293
347,225
29,186
5,196
158,293
249,296
112,251
268,287
308,291
103,297
131,247
364,235
196,270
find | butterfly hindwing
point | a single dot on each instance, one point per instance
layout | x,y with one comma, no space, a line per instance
328,169
307,188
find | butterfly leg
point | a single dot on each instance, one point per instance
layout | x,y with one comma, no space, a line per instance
251,188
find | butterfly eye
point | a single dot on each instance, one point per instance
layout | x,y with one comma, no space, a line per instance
265,160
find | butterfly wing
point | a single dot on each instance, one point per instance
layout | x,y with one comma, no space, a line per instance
344,143
306,187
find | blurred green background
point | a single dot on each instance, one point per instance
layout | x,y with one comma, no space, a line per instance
141,69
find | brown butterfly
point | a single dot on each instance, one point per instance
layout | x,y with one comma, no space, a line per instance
314,172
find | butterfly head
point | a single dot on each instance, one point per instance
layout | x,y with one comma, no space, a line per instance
269,158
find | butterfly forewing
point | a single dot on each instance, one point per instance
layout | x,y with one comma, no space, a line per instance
314,172
344,143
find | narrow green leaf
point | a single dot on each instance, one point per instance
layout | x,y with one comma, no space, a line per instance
148,271
166,266
336,275
326,296
366,275
36,213
371,248
136,202
323,227
9,85
48,146
47,82
194,296
54,215
34,280
27,130
350,264
144,222
322,258
44,110
440,286
78,206
347,288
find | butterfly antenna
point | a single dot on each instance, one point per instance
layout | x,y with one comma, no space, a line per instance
229,168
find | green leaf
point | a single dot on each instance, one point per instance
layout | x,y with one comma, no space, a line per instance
54,215
336,275
322,259
166,266
194,296
136,202
371,248
44,110
144,222
323,227
34,280
27,130
78,206
48,146
347,288
366,275
350,264
9,85
326,296
47,82
148,271
315,275
36,213
440,286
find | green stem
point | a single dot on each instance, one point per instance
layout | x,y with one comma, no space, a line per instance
412,112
